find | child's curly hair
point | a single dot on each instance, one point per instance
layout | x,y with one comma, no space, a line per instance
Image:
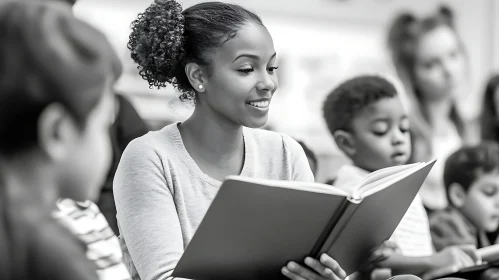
164,39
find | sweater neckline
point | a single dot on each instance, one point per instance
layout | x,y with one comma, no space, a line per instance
245,171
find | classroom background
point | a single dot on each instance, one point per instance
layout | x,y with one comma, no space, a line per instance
319,43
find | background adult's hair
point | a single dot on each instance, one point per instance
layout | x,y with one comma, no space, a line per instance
489,116
71,3
63,60
164,39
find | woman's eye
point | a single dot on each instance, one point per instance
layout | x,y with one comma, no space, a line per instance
272,69
245,70
431,64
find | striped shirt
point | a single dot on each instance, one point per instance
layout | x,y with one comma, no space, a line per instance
85,220
412,235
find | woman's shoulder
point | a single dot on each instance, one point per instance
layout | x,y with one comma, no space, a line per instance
162,143
165,137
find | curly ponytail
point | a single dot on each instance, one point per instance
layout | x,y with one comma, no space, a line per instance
156,43
164,39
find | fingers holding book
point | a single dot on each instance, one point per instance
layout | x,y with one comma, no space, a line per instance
325,268
383,252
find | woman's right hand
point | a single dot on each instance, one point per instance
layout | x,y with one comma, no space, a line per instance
324,269
451,259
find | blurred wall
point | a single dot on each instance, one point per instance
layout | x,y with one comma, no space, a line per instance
319,42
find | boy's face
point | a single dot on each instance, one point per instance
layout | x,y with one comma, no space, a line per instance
381,135
481,204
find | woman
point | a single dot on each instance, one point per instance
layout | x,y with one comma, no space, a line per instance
431,62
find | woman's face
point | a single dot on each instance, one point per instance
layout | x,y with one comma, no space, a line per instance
440,66
243,78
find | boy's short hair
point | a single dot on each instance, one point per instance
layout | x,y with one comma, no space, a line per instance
348,99
467,164
48,56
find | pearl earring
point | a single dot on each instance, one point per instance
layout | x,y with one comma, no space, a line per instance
200,87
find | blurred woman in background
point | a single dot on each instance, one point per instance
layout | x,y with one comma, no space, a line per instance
431,61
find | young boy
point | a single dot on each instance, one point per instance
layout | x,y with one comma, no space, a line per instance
369,124
56,74
77,212
471,177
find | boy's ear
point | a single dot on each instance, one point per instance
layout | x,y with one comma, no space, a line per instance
56,131
457,195
345,142
195,75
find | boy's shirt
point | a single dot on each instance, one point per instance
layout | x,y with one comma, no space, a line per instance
86,222
449,227
413,232
37,247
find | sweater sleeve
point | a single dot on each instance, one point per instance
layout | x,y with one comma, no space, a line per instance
448,229
300,167
146,212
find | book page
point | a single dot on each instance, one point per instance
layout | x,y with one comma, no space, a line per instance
388,181
295,185
383,179
385,172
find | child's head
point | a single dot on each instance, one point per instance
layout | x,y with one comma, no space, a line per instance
471,177
56,74
368,122
219,55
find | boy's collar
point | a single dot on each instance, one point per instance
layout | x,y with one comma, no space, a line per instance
481,235
349,176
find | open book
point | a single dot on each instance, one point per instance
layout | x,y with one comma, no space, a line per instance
254,227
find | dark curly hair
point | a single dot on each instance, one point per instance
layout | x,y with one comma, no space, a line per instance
466,164
351,97
63,60
164,39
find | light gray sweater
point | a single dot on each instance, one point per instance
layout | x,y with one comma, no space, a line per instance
162,195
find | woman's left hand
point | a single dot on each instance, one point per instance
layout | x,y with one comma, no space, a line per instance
325,268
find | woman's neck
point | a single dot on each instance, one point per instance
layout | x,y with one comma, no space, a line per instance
218,138
438,112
